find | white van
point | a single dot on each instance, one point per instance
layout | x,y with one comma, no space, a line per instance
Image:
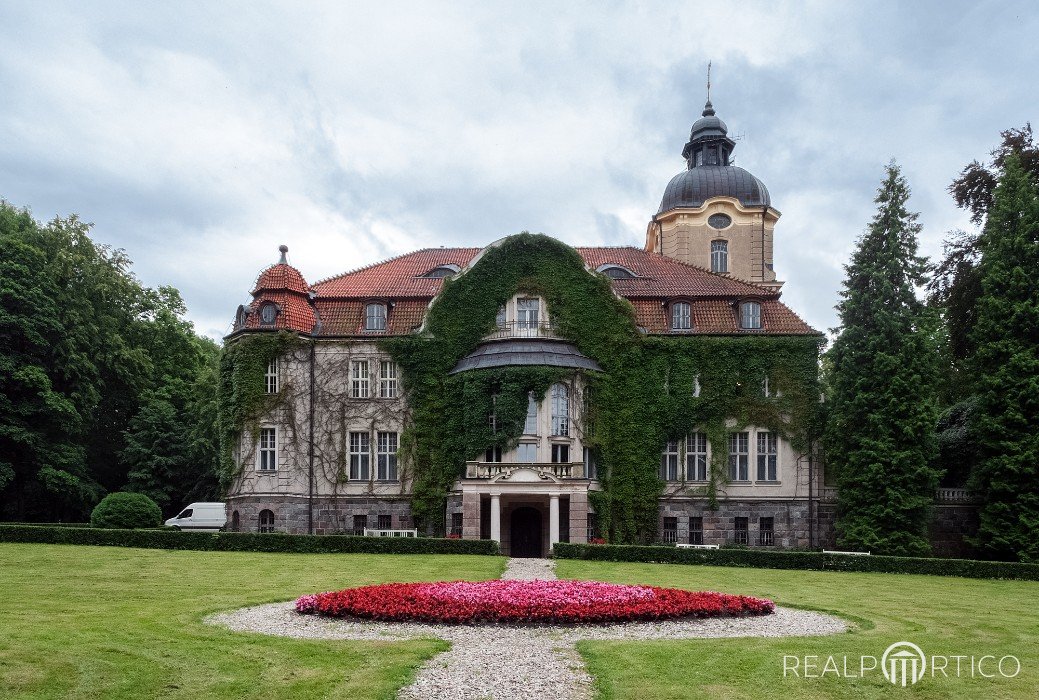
200,517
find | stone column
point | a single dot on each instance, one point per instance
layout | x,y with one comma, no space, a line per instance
496,517
579,517
553,520
470,516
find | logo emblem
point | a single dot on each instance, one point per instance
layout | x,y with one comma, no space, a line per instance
903,663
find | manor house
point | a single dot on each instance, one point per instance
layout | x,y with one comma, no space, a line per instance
330,456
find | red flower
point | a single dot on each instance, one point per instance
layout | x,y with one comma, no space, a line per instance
527,601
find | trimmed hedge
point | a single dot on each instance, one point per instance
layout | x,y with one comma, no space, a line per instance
123,510
244,541
805,561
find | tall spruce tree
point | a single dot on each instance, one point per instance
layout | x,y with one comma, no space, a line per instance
880,429
1006,369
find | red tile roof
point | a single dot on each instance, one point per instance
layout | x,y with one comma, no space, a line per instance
281,276
339,301
397,277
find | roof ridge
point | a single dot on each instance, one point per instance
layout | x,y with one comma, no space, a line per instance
369,266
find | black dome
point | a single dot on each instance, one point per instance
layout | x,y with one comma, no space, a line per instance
693,187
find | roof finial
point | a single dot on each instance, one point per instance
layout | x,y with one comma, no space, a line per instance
284,249
708,109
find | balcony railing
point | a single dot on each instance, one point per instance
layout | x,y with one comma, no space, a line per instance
561,470
828,494
523,329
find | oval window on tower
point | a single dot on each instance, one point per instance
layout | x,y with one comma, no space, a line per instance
719,221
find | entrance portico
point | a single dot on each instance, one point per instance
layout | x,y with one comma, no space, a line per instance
527,508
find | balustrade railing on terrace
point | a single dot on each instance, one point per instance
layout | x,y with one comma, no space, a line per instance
828,494
561,470
523,329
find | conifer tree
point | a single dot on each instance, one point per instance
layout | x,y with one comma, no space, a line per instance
1006,370
880,430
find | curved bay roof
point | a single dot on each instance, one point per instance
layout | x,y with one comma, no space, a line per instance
526,352
693,187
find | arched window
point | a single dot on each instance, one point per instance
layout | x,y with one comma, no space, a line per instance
375,317
560,409
616,272
719,256
750,315
236,522
681,316
268,312
266,521
443,271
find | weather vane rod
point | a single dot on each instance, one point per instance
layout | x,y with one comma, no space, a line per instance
708,81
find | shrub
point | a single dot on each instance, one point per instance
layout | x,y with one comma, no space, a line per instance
245,541
807,561
465,602
126,511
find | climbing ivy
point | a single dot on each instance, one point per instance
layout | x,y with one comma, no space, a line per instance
243,397
643,397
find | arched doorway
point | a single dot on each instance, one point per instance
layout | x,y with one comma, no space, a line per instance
525,532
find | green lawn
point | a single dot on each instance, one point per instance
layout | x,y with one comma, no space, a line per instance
99,622
943,615
95,622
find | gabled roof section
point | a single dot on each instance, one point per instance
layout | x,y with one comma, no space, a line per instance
660,276
400,277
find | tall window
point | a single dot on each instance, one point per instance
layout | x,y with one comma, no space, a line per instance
385,521
530,424
236,522
560,454
738,456
387,379
492,454
766,532
268,449
375,317
527,312
750,315
360,524
500,319
766,390
359,380
527,452
560,409
492,418
742,531
766,456
360,456
669,461
387,457
670,531
719,256
696,457
266,521
456,524
696,529
681,316
270,379
696,386
591,469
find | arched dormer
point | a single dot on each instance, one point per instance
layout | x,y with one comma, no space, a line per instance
749,316
442,271
616,272
680,315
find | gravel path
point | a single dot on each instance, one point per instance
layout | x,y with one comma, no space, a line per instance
505,662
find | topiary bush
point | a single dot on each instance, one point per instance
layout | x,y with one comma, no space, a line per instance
126,511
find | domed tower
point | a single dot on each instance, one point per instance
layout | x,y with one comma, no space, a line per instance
714,214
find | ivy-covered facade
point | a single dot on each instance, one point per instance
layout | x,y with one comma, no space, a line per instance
532,392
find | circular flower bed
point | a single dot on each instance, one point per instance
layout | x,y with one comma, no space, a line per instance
526,601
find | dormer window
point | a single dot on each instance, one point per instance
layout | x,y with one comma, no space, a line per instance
443,271
616,272
268,313
720,256
375,317
527,311
681,316
750,315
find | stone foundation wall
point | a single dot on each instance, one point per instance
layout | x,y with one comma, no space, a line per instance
789,518
331,516
951,525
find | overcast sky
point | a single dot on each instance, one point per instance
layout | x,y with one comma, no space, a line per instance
200,136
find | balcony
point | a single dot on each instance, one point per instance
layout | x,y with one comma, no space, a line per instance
489,470
523,329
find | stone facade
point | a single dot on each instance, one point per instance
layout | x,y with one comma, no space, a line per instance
332,516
